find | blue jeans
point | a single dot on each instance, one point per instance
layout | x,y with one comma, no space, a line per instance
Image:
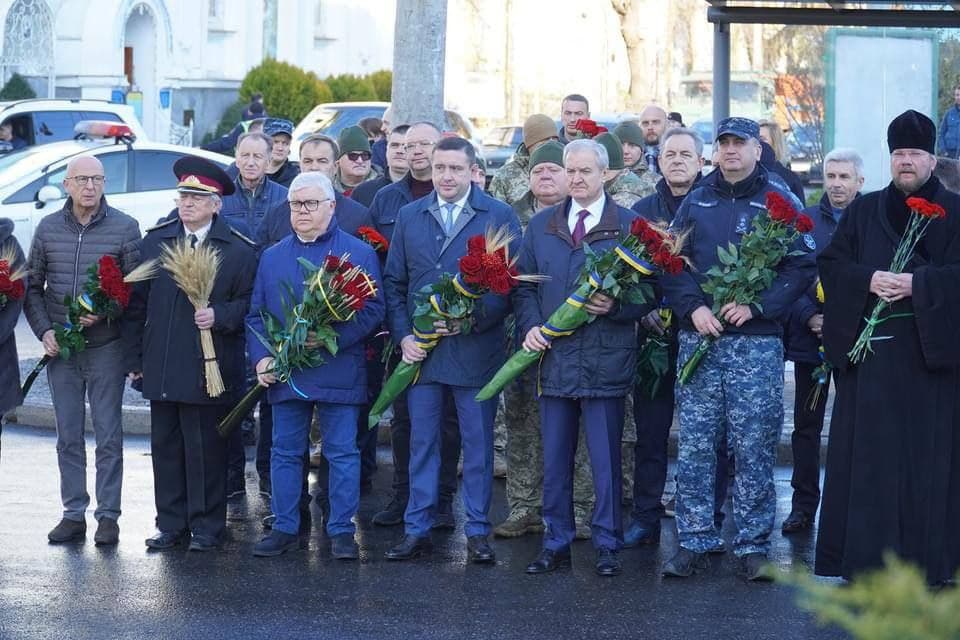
476,434
291,436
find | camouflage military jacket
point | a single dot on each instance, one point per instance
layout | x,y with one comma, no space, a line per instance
525,208
627,188
340,187
512,181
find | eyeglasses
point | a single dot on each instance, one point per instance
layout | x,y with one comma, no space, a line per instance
82,180
306,205
358,156
423,144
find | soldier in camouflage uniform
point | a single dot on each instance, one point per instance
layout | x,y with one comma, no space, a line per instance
621,184
512,181
631,137
738,386
354,166
548,186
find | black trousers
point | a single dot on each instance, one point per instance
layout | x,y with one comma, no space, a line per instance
653,417
189,468
805,441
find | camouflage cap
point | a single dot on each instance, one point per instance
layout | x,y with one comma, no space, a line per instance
743,128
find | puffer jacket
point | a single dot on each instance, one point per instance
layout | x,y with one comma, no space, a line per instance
9,314
60,255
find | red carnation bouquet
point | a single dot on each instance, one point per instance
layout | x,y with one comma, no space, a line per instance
587,128
374,238
106,293
11,280
922,213
622,273
747,271
486,267
333,293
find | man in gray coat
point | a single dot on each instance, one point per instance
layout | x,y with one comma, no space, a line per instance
65,245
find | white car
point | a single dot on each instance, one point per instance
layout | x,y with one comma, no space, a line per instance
139,179
47,120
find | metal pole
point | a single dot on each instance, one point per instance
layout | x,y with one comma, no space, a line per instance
721,72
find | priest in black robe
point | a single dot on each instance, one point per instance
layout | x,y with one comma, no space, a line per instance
893,463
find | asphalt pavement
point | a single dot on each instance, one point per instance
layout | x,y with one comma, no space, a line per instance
81,591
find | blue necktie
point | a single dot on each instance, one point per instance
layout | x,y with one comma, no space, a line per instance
448,218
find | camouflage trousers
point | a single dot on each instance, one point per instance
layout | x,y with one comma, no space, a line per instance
739,383
525,454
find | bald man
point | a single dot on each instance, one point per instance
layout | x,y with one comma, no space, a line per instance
653,122
65,245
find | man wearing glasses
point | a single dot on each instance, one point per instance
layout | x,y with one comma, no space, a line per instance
65,245
353,163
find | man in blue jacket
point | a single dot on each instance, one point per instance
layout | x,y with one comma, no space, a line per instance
337,388
948,138
842,181
429,240
587,374
253,194
739,383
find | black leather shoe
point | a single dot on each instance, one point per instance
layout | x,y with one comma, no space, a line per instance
797,521
165,540
479,550
108,532
685,563
392,514
608,564
68,530
274,544
409,548
549,560
639,533
202,543
444,517
344,547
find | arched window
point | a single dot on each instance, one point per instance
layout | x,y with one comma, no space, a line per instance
28,42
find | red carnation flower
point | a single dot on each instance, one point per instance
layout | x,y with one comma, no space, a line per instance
926,208
804,223
373,237
501,283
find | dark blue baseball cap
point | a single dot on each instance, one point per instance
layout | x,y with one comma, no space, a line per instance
274,126
743,128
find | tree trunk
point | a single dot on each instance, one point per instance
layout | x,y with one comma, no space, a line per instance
419,49
631,27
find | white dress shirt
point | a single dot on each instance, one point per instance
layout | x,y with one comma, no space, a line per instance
595,209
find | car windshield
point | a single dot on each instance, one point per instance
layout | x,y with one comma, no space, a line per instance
494,137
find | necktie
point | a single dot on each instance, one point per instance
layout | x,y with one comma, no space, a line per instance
193,240
580,229
448,217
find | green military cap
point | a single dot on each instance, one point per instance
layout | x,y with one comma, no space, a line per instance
551,151
353,139
614,149
629,131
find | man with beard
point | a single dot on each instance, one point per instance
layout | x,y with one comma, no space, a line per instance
893,465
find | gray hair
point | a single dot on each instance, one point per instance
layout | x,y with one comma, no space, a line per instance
684,131
845,154
313,179
584,144
217,200
319,138
257,135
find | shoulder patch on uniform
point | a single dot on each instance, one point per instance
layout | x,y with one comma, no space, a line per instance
161,225
809,241
243,237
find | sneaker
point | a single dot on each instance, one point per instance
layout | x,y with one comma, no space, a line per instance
392,514
68,530
685,563
754,567
108,532
274,544
519,525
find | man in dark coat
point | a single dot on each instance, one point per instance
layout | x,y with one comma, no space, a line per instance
587,374
395,170
893,465
163,351
430,238
281,169
9,314
842,180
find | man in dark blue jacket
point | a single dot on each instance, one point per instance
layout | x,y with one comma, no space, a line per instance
337,388
429,240
418,183
253,194
842,181
587,374
739,384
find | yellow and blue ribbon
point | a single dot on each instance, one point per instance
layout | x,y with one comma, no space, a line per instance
463,288
86,302
632,259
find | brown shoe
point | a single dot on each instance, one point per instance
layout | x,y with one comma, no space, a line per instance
108,532
519,525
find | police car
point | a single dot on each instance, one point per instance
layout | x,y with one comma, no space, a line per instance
139,175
